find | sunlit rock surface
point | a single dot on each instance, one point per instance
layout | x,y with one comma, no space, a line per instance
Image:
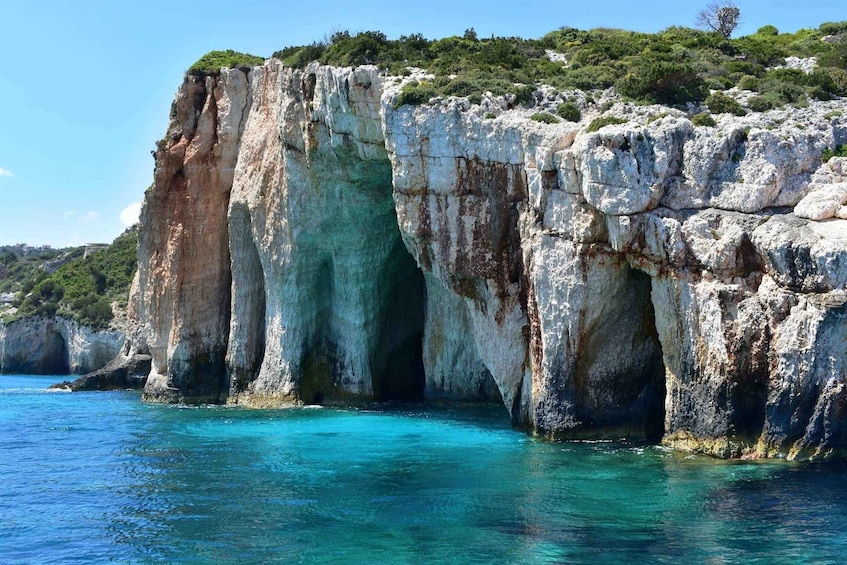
307,242
55,346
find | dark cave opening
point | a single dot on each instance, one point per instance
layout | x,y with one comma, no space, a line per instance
55,360
654,371
748,396
619,379
321,353
398,369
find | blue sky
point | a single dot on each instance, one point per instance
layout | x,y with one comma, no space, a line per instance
85,86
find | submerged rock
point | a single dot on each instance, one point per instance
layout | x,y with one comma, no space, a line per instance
307,242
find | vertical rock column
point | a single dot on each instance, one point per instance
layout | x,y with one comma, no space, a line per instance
312,218
459,188
184,265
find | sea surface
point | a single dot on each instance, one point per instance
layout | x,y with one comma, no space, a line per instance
102,477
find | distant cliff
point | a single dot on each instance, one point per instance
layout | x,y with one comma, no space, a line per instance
64,311
55,346
307,241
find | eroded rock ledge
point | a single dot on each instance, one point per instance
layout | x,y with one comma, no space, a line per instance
307,242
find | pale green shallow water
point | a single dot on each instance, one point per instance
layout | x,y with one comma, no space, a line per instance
101,477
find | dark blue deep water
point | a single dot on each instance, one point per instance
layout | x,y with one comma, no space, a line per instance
101,477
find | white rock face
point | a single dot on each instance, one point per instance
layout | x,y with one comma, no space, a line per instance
625,170
827,192
308,242
806,64
55,346
327,301
591,369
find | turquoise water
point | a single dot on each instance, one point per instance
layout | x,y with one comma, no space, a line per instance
101,477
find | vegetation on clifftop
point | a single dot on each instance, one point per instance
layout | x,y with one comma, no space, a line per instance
212,62
674,66
81,288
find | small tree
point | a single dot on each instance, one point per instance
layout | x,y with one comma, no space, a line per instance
722,17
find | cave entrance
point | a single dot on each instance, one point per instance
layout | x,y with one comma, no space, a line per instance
320,356
55,360
653,395
619,372
317,369
398,369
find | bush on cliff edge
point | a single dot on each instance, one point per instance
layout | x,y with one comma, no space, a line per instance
212,62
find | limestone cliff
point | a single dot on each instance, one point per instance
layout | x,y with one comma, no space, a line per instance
55,346
305,241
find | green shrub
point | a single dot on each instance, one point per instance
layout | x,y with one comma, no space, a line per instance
834,57
704,119
212,62
655,117
413,94
544,118
523,94
365,48
299,57
593,77
602,122
97,314
818,93
748,82
785,92
793,76
745,68
759,50
719,83
761,103
459,87
490,116
664,83
831,80
720,103
839,80
833,28
569,111
827,153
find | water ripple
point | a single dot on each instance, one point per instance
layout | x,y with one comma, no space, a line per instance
104,478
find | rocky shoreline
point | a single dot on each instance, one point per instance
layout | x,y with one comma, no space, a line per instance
306,241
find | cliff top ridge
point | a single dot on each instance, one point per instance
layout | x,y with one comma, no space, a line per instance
675,66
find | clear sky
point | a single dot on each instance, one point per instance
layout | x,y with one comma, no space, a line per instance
86,85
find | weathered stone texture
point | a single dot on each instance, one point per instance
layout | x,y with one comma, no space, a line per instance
305,241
